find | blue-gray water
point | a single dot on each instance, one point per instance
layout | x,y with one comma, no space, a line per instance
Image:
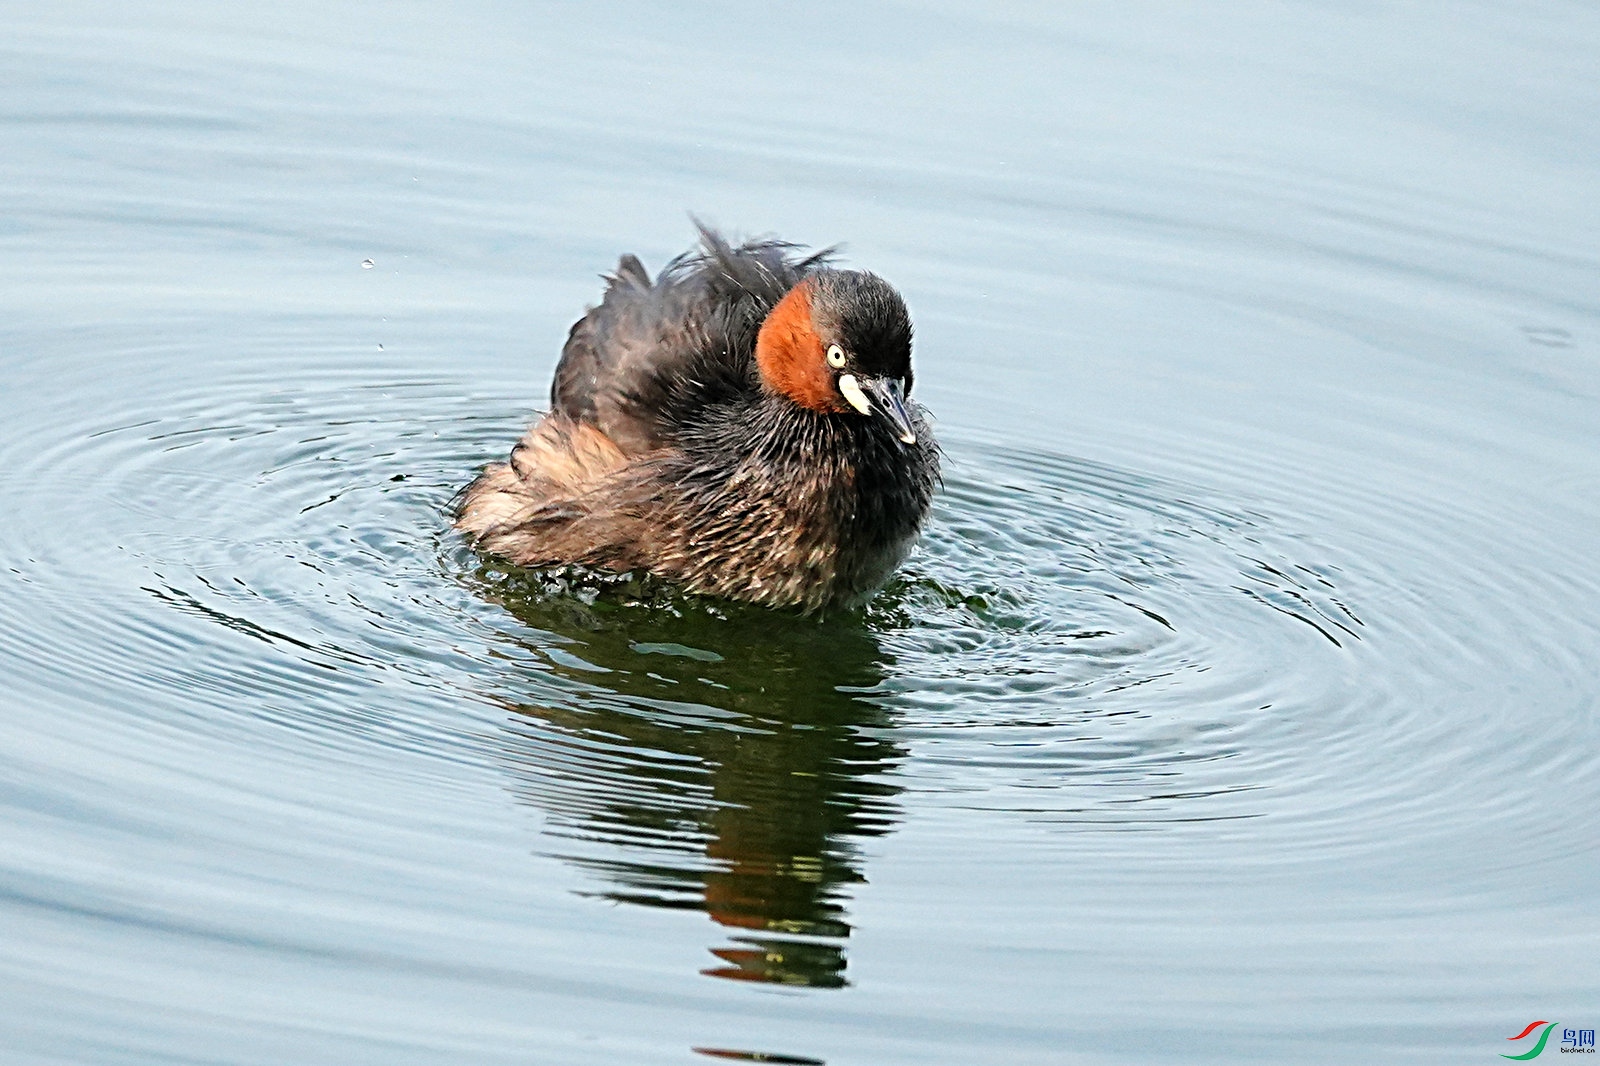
1240,705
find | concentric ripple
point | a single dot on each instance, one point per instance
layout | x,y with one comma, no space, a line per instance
265,571
1073,645
280,556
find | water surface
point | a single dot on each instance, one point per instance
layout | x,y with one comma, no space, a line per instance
1238,705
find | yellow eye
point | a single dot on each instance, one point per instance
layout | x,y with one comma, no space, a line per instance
835,356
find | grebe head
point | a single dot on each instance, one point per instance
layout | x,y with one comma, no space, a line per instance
840,341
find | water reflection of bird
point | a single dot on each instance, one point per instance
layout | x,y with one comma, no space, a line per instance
718,763
740,426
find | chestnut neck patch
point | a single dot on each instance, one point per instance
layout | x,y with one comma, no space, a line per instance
790,353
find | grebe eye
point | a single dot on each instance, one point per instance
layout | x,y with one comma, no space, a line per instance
835,356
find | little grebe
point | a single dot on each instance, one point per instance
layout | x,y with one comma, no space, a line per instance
739,426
